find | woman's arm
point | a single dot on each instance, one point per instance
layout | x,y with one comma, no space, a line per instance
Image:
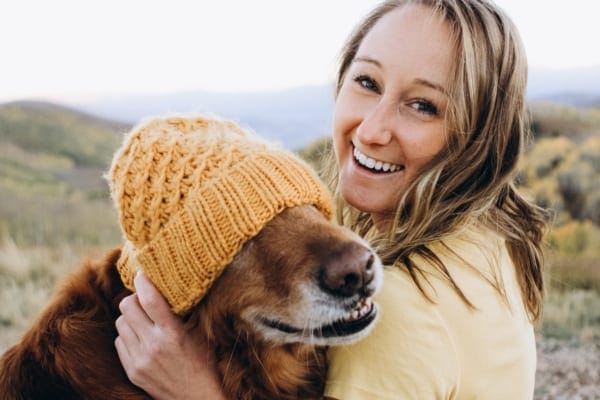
157,353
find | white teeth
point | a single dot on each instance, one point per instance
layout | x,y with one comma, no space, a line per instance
373,164
363,309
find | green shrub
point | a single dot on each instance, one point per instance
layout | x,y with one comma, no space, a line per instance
562,175
590,152
576,239
573,313
566,273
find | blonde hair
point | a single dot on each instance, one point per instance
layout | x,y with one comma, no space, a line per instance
473,177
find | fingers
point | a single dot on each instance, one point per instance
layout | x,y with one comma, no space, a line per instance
153,303
123,353
131,325
133,313
127,344
125,331
158,353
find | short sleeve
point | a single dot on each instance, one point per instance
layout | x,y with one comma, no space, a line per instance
409,354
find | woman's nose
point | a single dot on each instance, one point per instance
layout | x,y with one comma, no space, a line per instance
377,126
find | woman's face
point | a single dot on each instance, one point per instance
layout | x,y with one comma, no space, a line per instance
389,113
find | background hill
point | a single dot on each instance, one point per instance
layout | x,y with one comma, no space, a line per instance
293,117
51,163
578,87
53,129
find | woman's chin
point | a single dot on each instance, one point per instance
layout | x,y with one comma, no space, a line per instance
365,200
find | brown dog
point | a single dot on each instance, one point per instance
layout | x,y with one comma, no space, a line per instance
301,284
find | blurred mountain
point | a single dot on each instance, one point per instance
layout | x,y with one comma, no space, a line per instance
291,117
577,87
576,99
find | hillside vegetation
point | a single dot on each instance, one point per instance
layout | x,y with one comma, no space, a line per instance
45,128
51,165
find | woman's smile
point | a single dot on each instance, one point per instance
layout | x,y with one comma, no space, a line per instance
374,165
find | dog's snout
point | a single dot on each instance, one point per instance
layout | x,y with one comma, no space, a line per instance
349,271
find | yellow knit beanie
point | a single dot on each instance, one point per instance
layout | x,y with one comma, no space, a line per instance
190,191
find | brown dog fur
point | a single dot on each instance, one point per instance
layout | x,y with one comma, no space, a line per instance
69,353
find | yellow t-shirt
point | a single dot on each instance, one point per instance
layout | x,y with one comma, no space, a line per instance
444,350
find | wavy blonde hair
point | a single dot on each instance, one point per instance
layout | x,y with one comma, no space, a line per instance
473,177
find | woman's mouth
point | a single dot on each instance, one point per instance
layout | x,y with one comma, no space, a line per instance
375,165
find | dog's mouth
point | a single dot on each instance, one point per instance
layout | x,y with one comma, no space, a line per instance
353,322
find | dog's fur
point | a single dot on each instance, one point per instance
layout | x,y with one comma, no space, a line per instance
268,318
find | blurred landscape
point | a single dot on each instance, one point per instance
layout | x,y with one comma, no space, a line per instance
55,208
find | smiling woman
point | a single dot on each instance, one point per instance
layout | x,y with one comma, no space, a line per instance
391,110
426,89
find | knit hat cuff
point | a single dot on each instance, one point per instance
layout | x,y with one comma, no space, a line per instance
258,188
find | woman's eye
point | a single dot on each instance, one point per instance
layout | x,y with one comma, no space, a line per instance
425,107
367,83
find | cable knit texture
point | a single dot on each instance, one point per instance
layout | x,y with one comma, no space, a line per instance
190,191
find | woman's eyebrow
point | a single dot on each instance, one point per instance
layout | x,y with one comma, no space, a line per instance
417,81
367,60
432,85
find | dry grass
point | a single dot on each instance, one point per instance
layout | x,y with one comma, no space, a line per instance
572,314
27,280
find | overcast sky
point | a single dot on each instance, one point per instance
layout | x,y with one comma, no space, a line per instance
77,49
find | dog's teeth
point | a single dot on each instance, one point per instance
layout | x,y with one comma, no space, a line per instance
363,311
363,308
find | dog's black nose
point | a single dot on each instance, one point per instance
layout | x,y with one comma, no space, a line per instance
348,271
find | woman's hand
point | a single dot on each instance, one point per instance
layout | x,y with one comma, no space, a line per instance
156,351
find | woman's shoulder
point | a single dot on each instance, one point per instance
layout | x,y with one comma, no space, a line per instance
408,316
470,242
432,344
409,351
478,262
473,255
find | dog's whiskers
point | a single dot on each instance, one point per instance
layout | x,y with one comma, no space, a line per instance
258,358
231,354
